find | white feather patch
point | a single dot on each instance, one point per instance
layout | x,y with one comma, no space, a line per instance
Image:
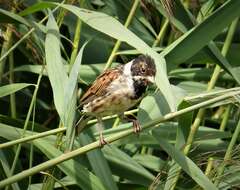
127,68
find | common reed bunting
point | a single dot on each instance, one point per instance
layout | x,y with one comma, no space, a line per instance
118,89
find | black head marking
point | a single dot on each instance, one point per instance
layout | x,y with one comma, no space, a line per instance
143,65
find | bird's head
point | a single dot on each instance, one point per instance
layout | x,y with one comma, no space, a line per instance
143,68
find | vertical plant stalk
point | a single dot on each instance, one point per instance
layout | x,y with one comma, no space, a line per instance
5,47
31,146
118,43
228,154
225,118
59,142
161,33
211,85
11,81
76,37
209,167
26,124
116,122
171,37
62,13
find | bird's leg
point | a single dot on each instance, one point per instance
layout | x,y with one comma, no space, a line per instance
135,122
102,142
136,126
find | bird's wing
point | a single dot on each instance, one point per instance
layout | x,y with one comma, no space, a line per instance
100,85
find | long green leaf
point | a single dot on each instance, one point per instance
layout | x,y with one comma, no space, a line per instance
69,89
55,68
12,88
70,98
149,161
73,76
7,16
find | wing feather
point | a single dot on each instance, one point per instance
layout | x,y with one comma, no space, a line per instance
100,85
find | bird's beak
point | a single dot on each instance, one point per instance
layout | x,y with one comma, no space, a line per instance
151,79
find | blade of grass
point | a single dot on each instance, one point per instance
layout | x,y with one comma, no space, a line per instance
47,146
32,137
70,97
12,88
161,34
31,154
7,16
56,72
52,132
11,81
225,118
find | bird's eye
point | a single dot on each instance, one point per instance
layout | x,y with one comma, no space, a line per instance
143,70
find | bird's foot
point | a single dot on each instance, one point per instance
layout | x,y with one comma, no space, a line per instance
136,126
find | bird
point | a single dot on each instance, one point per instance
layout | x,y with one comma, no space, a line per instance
118,89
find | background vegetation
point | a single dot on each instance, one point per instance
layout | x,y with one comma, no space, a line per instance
52,51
